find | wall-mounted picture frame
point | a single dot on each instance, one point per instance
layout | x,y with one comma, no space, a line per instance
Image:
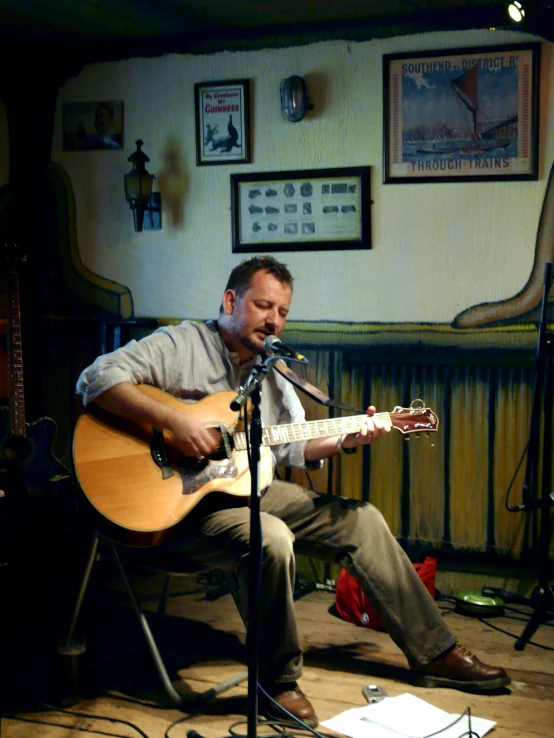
305,210
222,113
461,115
92,126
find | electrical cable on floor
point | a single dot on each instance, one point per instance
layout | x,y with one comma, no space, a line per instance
178,722
287,730
95,717
284,728
22,719
524,615
515,636
513,479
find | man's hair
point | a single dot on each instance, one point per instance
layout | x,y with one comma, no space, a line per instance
241,276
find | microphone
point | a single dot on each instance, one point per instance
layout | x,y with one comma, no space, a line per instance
276,347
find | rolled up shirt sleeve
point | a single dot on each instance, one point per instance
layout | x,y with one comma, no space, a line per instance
156,360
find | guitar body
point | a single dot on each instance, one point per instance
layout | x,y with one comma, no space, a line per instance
140,484
141,499
32,452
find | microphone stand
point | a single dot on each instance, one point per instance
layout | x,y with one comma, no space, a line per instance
542,598
252,391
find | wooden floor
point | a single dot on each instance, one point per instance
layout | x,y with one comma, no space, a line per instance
202,640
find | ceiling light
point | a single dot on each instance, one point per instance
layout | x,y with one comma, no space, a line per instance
516,11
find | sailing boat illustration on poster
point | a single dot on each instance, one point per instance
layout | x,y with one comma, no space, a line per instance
482,137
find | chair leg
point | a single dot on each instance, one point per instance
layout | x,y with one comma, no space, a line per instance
209,694
162,604
213,692
84,584
69,649
175,697
232,583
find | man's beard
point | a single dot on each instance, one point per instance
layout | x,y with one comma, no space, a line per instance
253,345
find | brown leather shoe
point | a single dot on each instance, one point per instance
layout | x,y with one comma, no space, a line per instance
460,669
291,698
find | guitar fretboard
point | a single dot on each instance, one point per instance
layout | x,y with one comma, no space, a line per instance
275,435
16,398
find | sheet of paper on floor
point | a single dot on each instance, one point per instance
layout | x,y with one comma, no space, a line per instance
405,716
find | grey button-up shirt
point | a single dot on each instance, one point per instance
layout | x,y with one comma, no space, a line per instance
191,361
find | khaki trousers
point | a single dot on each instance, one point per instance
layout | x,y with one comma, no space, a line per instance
329,528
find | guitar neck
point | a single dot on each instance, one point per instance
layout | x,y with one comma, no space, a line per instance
275,435
16,398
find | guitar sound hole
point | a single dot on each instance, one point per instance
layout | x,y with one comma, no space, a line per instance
192,464
224,439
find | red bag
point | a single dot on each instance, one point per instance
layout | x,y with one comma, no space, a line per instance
353,605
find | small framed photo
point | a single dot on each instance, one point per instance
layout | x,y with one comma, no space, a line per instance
90,126
222,112
461,115
307,210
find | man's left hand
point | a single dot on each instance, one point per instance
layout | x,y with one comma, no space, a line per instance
372,429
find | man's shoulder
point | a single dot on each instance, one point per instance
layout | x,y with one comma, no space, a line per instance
188,330
197,326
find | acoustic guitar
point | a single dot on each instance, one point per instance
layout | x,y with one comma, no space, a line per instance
141,484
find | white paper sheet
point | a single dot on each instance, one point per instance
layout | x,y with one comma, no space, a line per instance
405,716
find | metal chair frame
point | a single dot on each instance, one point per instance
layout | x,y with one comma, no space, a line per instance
72,650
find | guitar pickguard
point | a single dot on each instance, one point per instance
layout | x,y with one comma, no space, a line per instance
193,480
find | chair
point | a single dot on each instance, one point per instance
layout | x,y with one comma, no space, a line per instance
71,650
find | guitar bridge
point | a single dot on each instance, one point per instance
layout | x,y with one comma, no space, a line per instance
159,453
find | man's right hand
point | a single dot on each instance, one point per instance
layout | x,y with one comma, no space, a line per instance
191,436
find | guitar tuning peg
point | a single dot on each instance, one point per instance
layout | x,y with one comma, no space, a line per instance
406,438
418,435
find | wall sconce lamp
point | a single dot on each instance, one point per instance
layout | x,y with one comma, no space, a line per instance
294,99
138,189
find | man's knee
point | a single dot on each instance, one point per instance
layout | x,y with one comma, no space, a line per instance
278,539
363,523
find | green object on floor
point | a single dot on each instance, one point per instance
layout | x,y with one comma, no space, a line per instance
477,604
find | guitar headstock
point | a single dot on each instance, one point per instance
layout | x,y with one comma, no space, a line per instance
12,253
414,419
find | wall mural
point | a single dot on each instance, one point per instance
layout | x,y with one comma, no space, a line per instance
523,307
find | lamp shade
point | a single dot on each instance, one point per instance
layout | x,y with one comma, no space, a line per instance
138,186
294,99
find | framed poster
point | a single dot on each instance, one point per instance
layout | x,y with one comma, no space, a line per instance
461,115
90,126
222,112
308,210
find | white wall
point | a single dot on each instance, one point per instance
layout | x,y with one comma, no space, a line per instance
437,248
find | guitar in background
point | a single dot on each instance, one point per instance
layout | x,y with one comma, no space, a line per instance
27,463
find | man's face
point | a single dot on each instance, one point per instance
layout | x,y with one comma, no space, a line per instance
259,312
